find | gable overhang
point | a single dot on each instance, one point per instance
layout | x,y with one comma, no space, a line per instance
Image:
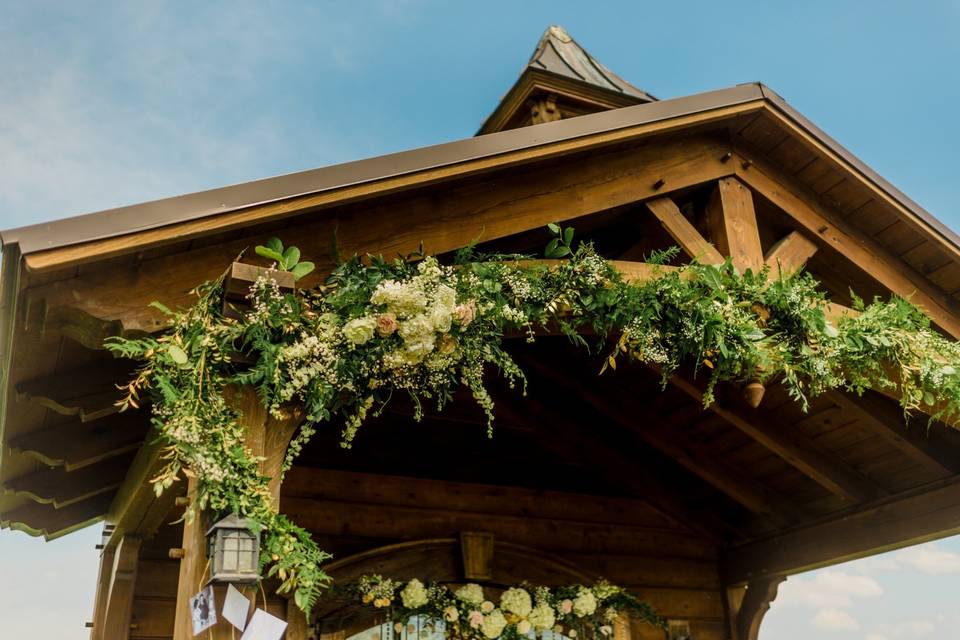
92,237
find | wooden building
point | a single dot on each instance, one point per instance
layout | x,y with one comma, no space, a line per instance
702,512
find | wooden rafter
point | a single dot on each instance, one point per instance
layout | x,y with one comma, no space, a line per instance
789,254
696,457
885,420
76,444
822,222
577,447
89,392
47,521
912,517
733,224
791,445
683,232
60,488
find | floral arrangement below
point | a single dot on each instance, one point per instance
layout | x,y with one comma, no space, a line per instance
420,327
575,611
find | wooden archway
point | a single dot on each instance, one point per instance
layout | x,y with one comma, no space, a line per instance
473,557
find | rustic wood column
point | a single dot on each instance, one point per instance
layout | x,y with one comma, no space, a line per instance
118,604
266,437
733,224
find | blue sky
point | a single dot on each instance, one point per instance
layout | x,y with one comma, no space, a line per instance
107,104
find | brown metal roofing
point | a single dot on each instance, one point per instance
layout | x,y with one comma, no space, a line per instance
557,52
168,211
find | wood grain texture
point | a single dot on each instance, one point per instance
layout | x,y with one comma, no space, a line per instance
869,255
733,224
443,220
789,254
683,232
912,517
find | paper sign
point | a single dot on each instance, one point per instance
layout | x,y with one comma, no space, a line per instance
263,626
235,608
203,610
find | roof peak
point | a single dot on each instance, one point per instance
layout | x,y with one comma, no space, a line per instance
557,52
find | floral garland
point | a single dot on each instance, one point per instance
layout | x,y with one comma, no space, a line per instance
418,326
523,612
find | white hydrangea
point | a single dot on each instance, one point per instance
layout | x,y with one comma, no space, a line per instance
414,595
542,617
359,330
402,298
493,624
470,593
516,601
585,603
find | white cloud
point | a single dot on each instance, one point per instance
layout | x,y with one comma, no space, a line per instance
834,620
930,559
876,636
828,590
907,629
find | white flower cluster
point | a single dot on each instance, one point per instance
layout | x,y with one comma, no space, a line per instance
515,600
414,595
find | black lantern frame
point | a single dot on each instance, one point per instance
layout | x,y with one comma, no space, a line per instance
234,551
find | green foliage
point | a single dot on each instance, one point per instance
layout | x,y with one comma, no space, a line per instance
412,325
287,259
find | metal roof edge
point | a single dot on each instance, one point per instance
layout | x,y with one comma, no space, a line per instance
169,211
859,166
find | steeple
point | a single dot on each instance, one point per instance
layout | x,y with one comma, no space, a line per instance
561,80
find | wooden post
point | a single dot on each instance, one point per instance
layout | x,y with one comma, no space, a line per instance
733,224
103,593
266,437
119,600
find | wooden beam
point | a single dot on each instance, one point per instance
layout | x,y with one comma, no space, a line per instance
139,241
789,254
683,232
885,419
821,221
61,488
442,219
76,444
123,578
45,520
753,604
136,509
788,443
572,445
911,517
692,455
83,327
733,224
89,392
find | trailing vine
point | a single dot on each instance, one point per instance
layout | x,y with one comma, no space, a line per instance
417,326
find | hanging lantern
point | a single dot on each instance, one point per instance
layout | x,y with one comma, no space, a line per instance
234,551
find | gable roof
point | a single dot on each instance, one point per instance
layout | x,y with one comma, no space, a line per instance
156,214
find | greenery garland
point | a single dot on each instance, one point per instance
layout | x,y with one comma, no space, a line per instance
414,325
465,613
